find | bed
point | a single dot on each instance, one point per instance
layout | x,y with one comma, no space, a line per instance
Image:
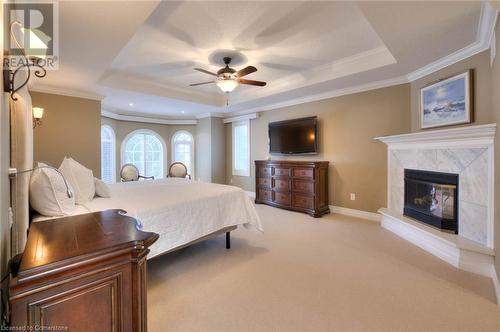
181,211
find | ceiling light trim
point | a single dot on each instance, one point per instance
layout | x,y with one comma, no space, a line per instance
141,119
486,29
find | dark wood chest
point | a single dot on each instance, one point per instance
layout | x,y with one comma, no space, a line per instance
85,272
294,185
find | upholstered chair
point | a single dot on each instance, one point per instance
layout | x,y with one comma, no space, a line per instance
178,170
130,172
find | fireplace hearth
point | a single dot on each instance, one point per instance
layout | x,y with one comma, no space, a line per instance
432,198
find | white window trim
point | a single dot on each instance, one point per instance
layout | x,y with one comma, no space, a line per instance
234,125
113,147
179,132
150,132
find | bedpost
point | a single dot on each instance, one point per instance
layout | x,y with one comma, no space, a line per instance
228,240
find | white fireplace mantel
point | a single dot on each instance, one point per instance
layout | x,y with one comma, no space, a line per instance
467,151
469,135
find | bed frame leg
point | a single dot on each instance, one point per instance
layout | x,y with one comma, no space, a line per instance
228,240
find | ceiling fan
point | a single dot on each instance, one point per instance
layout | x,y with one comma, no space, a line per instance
228,78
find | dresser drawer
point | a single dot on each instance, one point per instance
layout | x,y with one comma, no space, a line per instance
283,185
301,172
303,201
282,198
265,195
299,185
264,172
264,182
303,186
281,171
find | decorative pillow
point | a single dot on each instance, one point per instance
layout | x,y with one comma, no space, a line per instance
49,194
101,188
81,179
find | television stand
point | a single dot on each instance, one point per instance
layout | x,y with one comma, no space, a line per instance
293,185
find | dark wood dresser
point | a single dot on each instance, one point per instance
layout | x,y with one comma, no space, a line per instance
293,185
86,273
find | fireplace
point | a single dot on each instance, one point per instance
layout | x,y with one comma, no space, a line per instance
432,197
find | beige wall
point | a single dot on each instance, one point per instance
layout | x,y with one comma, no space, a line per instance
495,88
347,126
210,150
71,127
218,151
482,91
124,128
204,149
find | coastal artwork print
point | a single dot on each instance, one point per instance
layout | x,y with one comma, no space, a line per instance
447,102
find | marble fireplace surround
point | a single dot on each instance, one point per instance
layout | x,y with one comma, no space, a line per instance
466,151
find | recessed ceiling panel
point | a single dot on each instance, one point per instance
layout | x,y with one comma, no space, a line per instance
291,43
145,52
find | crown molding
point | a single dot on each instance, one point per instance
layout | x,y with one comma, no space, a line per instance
250,116
486,29
484,39
446,61
132,118
211,115
487,24
66,92
326,95
360,62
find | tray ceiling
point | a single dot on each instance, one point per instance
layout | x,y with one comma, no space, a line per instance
143,53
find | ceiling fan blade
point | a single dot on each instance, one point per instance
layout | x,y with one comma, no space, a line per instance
245,71
252,82
205,71
195,84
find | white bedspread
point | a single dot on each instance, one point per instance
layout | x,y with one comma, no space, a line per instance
180,210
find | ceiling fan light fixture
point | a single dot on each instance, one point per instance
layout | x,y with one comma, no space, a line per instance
228,79
227,85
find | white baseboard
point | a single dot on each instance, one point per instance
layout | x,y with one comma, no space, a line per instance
250,194
355,213
496,283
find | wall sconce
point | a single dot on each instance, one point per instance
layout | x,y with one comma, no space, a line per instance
37,116
9,76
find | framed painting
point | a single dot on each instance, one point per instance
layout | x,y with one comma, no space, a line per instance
447,102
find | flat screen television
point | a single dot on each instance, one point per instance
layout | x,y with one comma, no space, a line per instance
297,136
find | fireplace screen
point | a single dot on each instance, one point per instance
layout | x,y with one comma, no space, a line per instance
432,197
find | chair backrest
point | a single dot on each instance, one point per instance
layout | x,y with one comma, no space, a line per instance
177,170
129,172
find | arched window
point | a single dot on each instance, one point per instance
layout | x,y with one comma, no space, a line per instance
108,150
145,149
183,149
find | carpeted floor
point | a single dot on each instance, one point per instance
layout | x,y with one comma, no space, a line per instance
336,273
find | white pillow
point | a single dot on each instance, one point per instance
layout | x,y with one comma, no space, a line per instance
81,179
48,193
101,188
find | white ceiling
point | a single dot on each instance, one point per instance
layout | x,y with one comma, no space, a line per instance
139,56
